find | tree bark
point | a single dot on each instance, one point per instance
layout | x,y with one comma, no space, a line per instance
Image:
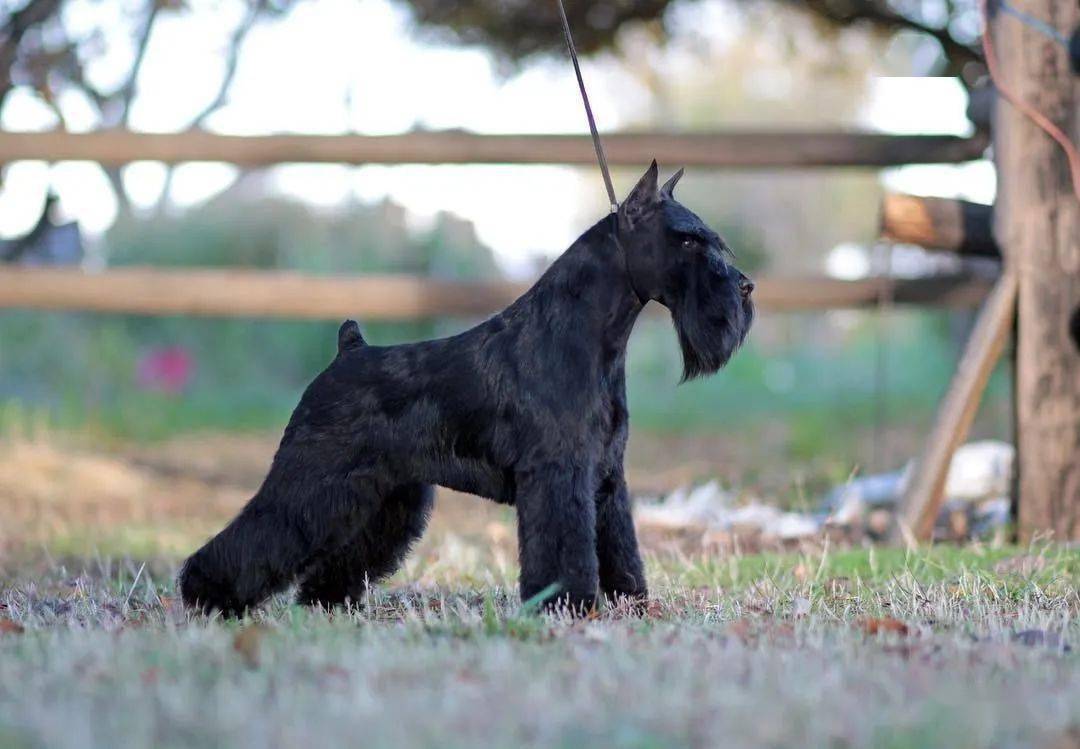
1037,222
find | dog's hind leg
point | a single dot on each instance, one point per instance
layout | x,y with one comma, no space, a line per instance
375,550
621,571
273,539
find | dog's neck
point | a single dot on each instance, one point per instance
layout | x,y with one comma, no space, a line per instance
588,290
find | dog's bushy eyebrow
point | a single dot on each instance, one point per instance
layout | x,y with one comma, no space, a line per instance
682,221
725,249
702,235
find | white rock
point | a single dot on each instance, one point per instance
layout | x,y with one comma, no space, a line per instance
704,506
980,470
756,515
793,525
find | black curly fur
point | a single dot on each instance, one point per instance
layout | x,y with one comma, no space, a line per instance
528,408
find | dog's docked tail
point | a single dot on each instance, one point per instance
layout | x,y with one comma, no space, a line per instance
348,337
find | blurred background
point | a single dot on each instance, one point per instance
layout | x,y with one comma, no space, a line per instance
155,423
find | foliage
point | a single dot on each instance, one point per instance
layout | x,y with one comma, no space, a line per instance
517,29
278,233
41,52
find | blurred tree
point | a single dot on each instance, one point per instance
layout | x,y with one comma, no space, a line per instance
776,67
42,53
517,29
264,232
764,67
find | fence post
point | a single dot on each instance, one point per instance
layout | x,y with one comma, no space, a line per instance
1037,223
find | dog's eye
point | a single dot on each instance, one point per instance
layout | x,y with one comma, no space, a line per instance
689,243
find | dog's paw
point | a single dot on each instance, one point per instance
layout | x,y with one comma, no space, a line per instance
200,592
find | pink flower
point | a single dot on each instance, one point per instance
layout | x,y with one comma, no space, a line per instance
165,370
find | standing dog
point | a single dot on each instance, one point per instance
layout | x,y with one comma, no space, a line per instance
528,408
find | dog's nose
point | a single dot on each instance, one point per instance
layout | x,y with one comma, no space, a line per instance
746,287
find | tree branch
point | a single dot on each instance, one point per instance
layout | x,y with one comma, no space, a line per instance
122,98
231,62
127,92
881,16
34,13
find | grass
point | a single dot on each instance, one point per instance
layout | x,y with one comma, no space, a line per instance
966,647
249,375
830,647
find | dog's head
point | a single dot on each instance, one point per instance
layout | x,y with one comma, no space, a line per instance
675,259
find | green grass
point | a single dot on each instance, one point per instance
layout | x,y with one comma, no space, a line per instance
762,650
249,375
874,566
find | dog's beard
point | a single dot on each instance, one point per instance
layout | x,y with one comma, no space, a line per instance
710,331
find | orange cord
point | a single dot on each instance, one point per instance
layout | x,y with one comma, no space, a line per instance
1031,112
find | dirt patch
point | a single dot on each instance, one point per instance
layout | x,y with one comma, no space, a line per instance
55,491
69,494
169,497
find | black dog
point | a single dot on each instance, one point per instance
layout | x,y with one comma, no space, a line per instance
527,408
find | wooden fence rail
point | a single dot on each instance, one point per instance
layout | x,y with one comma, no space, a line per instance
940,224
724,149
285,294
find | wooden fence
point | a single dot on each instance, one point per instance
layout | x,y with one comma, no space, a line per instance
285,294
951,226
748,150
251,293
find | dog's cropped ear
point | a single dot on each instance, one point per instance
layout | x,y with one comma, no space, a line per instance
668,190
642,198
348,336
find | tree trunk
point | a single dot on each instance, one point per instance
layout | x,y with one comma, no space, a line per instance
1037,222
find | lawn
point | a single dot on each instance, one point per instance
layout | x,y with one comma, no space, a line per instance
943,647
823,646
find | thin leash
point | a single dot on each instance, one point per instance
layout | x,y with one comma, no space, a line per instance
600,158
588,109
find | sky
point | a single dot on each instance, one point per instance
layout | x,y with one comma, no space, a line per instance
353,66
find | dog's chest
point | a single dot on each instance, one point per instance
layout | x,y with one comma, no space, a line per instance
614,421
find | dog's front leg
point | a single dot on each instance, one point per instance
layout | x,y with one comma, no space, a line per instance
557,535
622,574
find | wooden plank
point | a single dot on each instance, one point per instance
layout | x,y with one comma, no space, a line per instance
1038,222
247,293
922,497
724,149
939,224
285,294
800,294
